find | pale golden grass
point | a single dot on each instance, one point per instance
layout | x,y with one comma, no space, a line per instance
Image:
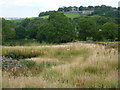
0,78
29,82
97,67
23,82
43,59
0,67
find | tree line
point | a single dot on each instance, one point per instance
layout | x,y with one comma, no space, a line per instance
102,10
60,29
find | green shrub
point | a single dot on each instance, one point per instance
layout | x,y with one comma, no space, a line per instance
28,63
13,55
94,70
19,54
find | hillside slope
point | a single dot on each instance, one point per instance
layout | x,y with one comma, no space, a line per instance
69,15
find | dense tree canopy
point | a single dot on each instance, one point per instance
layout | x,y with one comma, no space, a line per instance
64,29
25,22
46,33
86,28
20,32
101,25
110,31
58,29
32,30
33,27
7,31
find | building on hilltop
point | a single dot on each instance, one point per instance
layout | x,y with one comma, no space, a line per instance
87,11
74,9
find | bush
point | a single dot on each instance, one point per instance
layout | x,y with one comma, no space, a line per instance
28,63
13,55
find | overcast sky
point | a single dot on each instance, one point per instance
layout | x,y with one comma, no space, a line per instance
31,8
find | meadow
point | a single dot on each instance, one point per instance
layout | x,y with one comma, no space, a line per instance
69,15
70,65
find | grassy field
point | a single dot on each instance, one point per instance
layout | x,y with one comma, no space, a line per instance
0,79
21,19
69,15
72,15
71,65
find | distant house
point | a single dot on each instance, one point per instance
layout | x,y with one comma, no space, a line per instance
114,9
87,11
74,9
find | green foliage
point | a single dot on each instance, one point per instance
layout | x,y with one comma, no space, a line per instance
58,27
45,17
25,22
23,42
93,70
28,63
18,54
46,33
110,31
13,55
64,29
114,14
69,15
86,28
20,32
100,20
102,10
8,32
33,27
45,13
65,9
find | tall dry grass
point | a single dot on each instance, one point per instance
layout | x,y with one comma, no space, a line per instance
0,78
77,65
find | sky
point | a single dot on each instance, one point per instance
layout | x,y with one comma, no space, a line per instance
32,8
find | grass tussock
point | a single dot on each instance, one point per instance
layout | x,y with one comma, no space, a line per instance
76,65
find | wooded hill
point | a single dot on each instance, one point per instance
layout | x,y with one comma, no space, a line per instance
102,10
59,27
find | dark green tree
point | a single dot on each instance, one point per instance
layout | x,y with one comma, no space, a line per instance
25,22
63,28
82,8
8,32
110,31
86,28
60,9
32,30
33,27
90,7
98,35
20,32
46,33
100,20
